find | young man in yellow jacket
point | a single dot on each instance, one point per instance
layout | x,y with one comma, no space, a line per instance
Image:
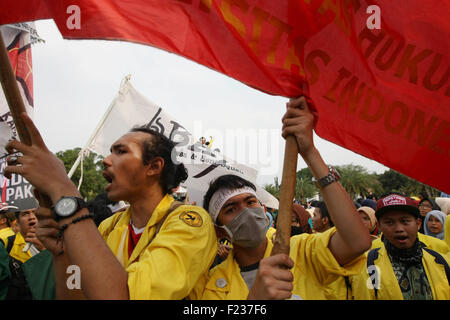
315,259
431,243
403,267
19,249
150,251
5,228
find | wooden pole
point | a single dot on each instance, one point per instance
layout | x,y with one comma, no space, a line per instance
16,105
283,234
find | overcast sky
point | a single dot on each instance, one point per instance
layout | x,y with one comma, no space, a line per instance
76,80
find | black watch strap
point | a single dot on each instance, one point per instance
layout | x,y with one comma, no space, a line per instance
79,204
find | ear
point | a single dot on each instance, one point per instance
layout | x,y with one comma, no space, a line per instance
155,166
419,223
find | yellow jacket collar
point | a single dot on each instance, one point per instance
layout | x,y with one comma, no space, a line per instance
149,232
229,269
20,240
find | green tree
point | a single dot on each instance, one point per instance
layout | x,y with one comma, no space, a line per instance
356,180
273,189
414,188
393,181
93,181
305,187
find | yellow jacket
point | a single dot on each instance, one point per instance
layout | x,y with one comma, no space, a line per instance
168,267
389,288
340,290
431,242
5,233
314,269
16,250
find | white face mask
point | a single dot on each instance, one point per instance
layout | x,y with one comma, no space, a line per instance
248,228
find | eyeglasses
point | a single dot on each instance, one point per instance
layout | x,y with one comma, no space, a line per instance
425,206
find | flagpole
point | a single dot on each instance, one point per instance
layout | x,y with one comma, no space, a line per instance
97,129
287,190
15,103
93,136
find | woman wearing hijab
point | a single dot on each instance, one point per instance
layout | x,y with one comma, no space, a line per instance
425,206
444,204
434,224
367,215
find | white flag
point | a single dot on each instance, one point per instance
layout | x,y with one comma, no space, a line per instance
204,164
18,39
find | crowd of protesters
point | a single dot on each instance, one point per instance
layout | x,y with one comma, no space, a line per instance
136,242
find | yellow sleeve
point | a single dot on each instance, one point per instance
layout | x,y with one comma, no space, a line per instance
199,288
176,259
107,225
434,243
377,243
315,266
5,233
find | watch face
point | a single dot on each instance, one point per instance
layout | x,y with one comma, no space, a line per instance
65,207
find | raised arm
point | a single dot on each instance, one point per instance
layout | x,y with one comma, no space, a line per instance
352,237
102,276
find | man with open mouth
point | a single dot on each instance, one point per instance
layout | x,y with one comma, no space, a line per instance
156,249
403,268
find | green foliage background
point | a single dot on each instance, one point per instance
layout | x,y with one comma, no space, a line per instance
93,181
358,182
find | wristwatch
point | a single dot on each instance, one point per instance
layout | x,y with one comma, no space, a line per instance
331,177
67,207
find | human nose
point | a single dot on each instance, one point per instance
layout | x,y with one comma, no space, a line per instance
398,228
106,162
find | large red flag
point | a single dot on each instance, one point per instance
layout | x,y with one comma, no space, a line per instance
383,93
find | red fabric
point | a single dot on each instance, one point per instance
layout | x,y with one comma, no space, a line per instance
381,93
133,239
21,61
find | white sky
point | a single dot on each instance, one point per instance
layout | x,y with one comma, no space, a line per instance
76,80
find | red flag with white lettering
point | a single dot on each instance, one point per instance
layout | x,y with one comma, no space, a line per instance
383,93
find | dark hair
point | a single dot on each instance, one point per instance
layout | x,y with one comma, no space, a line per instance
4,216
434,205
17,214
99,207
160,146
369,203
229,182
314,203
324,212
